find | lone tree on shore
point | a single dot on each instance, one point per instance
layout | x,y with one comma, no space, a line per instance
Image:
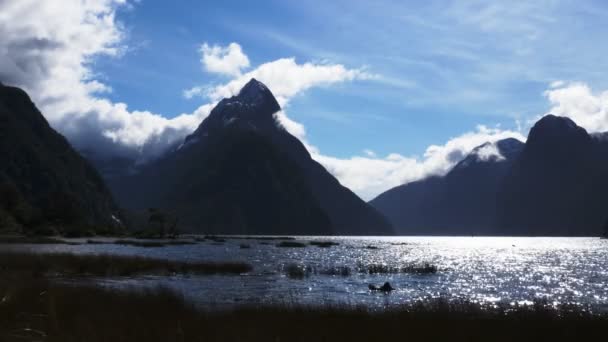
157,217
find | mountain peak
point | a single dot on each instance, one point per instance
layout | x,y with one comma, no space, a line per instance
556,122
505,149
509,147
255,92
557,130
252,109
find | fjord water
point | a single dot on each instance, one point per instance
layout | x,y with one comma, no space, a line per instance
487,270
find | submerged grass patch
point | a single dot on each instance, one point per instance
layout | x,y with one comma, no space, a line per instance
34,309
151,244
297,271
291,244
385,269
65,264
324,244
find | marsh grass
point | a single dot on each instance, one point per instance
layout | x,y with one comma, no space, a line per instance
342,271
295,271
386,269
323,244
19,239
64,264
33,309
268,238
153,243
291,244
298,271
215,238
98,242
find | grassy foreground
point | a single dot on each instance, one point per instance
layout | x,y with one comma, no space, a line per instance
65,264
34,309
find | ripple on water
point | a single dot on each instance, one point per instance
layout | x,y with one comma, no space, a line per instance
489,270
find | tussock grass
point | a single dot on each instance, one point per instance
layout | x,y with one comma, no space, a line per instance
65,264
34,309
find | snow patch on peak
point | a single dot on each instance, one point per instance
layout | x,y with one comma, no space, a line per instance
489,152
227,121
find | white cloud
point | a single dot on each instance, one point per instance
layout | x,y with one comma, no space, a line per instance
194,92
557,84
286,78
369,153
489,152
229,60
369,176
48,49
577,101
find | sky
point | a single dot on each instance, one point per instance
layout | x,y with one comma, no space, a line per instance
382,93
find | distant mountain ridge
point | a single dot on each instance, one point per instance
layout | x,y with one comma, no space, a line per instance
558,184
554,184
462,202
44,182
241,172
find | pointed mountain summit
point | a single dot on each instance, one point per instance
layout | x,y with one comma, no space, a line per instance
44,182
253,109
242,172
463,202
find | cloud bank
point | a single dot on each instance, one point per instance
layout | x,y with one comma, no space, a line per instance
49,50
368,176
577,101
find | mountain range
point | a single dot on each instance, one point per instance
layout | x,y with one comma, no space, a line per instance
44,183
242,172
552,185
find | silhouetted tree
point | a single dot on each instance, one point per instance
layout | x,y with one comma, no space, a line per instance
156,216
172,229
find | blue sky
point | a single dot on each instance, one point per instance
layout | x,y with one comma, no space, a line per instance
382,93
452,64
